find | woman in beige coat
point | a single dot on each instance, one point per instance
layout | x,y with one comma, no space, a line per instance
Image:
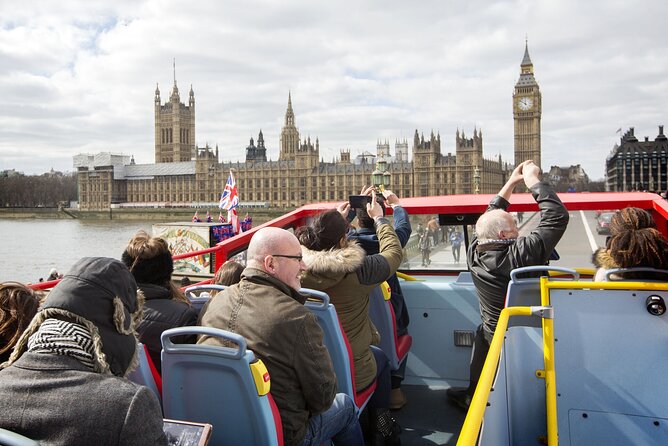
341,268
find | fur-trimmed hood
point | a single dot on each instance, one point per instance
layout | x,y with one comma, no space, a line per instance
335,261
100,294
602,259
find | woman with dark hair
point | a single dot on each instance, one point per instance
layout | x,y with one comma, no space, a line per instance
341,268
634,242
229,273
150,262
18,305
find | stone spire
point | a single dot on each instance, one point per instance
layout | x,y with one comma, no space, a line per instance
289,114
526,60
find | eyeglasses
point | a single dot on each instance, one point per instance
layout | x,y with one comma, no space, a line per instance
297,258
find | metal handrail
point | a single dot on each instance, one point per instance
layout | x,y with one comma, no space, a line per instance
473,421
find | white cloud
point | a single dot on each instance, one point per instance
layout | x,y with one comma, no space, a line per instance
79,76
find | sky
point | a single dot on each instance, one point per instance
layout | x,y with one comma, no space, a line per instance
80,76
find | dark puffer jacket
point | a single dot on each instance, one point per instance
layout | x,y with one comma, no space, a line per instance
161,312
491,263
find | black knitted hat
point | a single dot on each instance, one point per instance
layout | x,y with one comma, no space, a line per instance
156,270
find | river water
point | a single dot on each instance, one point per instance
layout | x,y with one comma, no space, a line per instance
31,247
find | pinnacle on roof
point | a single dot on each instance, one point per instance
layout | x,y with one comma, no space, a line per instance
526,60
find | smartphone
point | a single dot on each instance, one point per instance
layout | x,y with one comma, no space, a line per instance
359,201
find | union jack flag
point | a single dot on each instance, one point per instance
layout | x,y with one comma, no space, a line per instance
229,200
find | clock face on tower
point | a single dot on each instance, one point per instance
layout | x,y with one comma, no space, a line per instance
525,103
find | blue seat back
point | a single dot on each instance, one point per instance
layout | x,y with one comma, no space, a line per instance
517,414
9,438
610,355
636,274
383,319
213,384
325,312
143,375
199,295
526,292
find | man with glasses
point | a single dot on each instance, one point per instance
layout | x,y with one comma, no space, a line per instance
267,309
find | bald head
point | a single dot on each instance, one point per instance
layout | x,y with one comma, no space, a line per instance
496,224
268,241
278,253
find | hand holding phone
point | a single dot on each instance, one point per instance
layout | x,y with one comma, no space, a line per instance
359,201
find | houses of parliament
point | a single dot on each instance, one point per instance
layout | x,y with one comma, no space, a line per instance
186,175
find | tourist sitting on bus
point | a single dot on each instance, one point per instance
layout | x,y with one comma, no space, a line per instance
151,264
229,273
18,304
196,218
63,384
368,239
634,242
268,311
341,268
209,219
221,219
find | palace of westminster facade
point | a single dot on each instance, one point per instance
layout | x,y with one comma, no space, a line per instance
184,175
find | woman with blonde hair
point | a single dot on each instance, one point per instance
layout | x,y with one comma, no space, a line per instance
150,262
18,305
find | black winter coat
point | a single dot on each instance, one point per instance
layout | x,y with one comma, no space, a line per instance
491,263
161,312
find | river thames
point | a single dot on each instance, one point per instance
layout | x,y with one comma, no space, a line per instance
31,247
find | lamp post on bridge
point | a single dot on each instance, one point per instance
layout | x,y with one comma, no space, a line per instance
476,180
381,177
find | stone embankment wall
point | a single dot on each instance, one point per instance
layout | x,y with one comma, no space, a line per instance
160,214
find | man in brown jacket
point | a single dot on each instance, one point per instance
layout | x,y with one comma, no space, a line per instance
267,310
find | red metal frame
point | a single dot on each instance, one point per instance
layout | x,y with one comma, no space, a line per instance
450,204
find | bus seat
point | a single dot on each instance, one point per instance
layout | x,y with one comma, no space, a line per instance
526,291
9,438
224,386
516,409
464,277
608,362
382,315
338,346
146,374
636,274
198,295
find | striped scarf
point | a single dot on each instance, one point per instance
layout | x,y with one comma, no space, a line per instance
59,337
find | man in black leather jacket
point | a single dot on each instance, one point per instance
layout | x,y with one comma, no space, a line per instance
497,249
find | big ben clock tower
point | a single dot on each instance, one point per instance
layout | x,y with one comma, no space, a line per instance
527,110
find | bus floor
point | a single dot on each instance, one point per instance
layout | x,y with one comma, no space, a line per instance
428,418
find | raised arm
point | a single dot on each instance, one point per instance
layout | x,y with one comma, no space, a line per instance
502,199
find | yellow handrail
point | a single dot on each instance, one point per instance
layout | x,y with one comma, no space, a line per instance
473,421
469,433
408,278
550,375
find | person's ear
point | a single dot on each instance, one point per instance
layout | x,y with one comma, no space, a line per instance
268,263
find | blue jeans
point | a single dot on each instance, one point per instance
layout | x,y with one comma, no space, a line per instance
338,423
